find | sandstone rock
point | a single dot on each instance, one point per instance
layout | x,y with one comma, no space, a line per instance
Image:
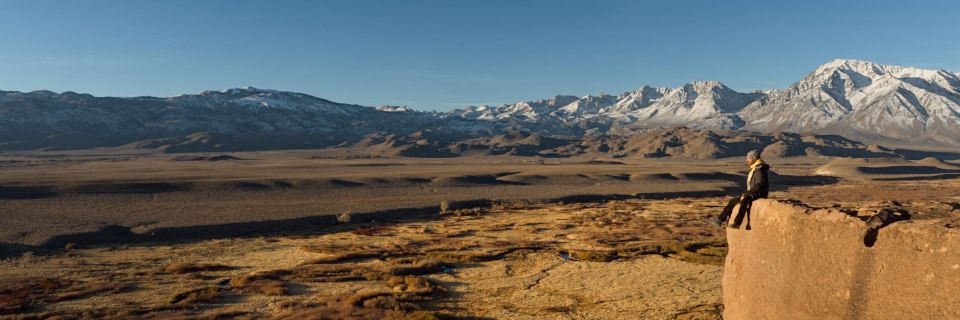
801,263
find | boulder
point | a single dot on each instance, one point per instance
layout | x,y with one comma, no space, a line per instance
797,262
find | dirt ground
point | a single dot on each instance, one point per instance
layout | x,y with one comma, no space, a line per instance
654,259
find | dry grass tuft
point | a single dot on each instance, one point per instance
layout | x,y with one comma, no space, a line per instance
344,257
24,294
419,268
399,303
198,295
662,248
89,289
339,311
328,273
362,298
316,249
704,254
509,205
694,251
476,211
412,284
462,257
266,283
150,313
370,231
190,267
420,315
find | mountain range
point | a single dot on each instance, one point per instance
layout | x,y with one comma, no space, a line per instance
852,98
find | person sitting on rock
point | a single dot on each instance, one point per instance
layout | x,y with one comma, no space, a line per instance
757,188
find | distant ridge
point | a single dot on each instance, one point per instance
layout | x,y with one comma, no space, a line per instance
856,99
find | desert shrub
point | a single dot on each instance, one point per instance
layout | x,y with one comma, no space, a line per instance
319,249
379,310
190,267
345,256
369,231
328,273
520,247
696,252
411,284
459,233
593,256
198,295
387,302
420,315
88,289
344,217
24,294
444,207
662,248
19,296
462,257
358,299
259,283
713,251
506,205
150,313
420,268
476,211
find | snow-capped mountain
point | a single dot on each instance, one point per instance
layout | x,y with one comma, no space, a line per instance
865,100
857,99
706,104
853,98
534,111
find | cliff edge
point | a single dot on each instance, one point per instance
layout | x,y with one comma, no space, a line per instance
797,262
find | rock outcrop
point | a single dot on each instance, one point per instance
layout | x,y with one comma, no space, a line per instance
796,262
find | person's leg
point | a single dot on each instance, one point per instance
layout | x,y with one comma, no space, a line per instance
741,213
725,215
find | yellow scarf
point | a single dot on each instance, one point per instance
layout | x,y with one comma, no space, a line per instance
753,168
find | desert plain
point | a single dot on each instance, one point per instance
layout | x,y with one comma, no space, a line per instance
332,235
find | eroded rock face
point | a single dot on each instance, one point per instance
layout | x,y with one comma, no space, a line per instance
802,263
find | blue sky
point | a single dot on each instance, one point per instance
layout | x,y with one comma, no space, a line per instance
435,55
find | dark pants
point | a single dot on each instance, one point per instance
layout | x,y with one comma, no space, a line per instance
741,213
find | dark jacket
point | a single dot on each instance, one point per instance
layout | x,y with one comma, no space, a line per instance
758,186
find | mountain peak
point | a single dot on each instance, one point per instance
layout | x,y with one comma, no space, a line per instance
707,85
841,61
860,66
386,108
869,68
864,100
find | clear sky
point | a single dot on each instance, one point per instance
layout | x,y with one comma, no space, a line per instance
436,55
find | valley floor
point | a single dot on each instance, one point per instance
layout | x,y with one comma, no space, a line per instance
654,259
